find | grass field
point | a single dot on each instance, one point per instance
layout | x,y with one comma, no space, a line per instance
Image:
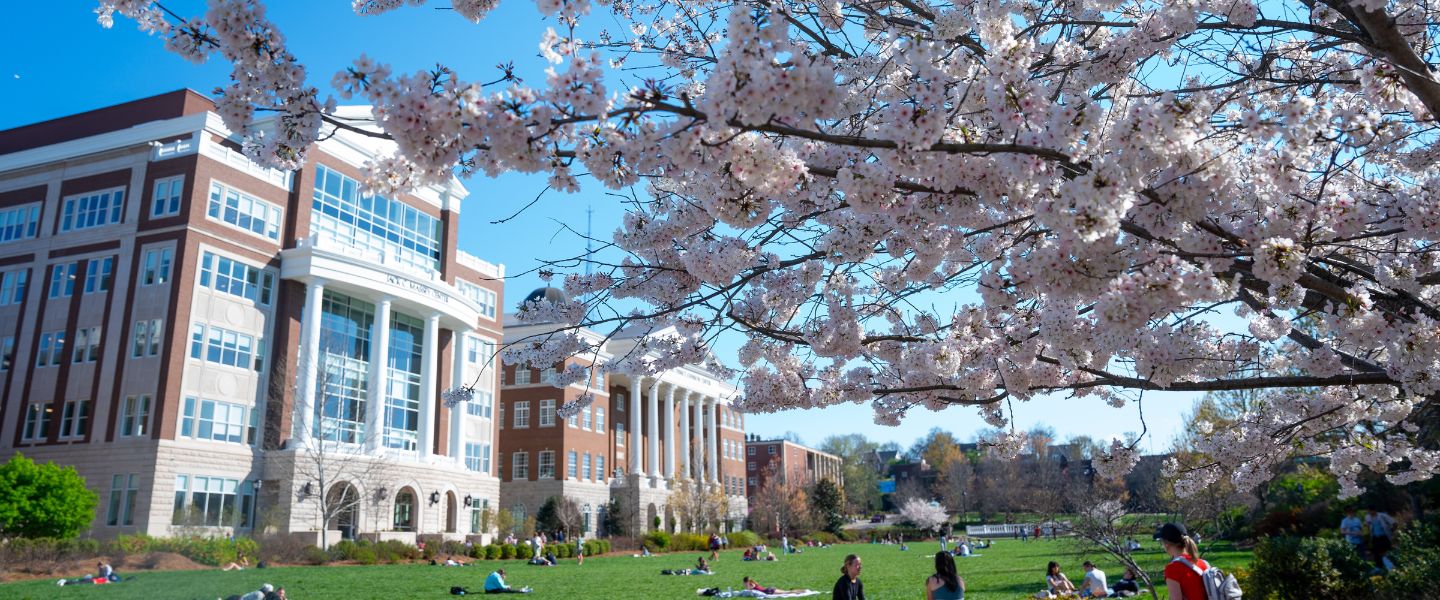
1007,571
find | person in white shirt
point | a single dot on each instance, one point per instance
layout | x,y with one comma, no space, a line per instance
1094,584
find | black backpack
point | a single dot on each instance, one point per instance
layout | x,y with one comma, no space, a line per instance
456,590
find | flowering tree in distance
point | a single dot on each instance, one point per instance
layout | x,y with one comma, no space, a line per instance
924,204
924,515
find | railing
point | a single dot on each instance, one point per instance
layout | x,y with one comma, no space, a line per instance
330,244
238,160
1010,529
485,267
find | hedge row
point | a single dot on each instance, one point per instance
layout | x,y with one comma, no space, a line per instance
206,551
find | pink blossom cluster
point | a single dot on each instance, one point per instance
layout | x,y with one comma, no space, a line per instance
925,204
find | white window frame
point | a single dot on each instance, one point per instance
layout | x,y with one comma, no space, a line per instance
165,198
124,491
599,419
13,286
157,271
37,422
74,419
211,273
547,413
202,339
572,465
145,340
51,350
546,459
246,205
522,414
86,346
586,417
135,416
112,213
20,222
192,419
519,465
600,467
99,273
62,280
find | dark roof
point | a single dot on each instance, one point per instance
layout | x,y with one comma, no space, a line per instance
549,294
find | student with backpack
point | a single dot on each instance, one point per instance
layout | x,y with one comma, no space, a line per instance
1187,577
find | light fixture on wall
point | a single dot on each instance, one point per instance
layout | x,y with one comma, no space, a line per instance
468,501
434,498
306,490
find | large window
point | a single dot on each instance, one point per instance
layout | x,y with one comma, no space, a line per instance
92,210
146,342
97,275
482,297
218,421
13,285
166,200
124,488
547,413
405,510
572,465
75,419
400,232
37,421
19,223
87,345
600,467
520,465
585,414
402,402
599,419
345,326
547,464
585,467
481,405
157,266
135,416
212,501
244,211
222,346
522,414
62,280
477,457
233,277
7,352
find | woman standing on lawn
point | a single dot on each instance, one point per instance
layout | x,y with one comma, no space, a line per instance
1182,575
849,587
945,584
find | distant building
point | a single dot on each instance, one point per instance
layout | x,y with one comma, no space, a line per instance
789,460
640,439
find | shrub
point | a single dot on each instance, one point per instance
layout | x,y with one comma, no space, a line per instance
741,539
1308,567
824,537
682,542
364,555
1417,559
453,547
564,550
21,551
394,551
492,552
315,556
524,552
343,550
507,551
432,543
657,541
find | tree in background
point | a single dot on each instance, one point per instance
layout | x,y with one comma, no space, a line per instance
956,482
781,507
861,476
43,500
926,516
826,506
1103,524
558,513
621,517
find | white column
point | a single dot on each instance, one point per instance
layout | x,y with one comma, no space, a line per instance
457,413
379,377
670,431
713,448
634,407
428,361
308,410
699,450
685,472
653,408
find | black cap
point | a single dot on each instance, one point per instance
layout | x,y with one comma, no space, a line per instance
1173,532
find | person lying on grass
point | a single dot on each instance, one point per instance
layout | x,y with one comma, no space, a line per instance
751,584
103,574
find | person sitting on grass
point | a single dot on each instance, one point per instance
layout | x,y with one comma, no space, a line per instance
1127,586
1093,586
701,567
242,561
945,584
748,555
103,574
754,586
770,556
1059,584
495,584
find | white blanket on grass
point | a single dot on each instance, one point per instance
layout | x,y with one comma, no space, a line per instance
755,594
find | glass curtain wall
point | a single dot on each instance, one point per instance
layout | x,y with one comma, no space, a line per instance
344,368
401,233
402,400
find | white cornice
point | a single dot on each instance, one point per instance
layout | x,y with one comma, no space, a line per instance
138,135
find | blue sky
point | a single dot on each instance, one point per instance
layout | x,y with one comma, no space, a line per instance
55,60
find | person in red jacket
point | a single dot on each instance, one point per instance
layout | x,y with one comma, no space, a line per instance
1182,575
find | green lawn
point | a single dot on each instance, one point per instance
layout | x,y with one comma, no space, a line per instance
1007,571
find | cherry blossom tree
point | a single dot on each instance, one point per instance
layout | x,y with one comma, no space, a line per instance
926,516
923,204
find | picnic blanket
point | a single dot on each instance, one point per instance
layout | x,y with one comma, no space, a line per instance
755,594
685,572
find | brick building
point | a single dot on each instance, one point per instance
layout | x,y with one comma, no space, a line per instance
790,460
639,441
193,331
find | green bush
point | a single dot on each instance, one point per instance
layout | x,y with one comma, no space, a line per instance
1306,567
524,552
823,537
394,551
47,550
566,550
453,548
364,555
657,541
315,556
492,552
431,545
43,500
683,542
343,550
1417,559
507,551
741,539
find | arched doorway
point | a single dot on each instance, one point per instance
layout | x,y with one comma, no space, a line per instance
342,503
404,510
650,515
669,519
451,512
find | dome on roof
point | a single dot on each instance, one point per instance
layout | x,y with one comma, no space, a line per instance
548,294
